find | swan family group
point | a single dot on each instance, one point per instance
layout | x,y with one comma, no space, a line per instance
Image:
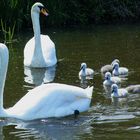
52,99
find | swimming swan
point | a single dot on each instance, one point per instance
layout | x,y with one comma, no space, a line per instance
39,51
85,72
47,100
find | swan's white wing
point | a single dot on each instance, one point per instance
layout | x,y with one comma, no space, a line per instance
52,100
48,49
89,71
29,51
123,70
48,53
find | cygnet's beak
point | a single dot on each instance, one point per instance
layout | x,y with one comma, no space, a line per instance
106,78
81,67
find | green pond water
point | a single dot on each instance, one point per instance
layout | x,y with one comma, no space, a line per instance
96,46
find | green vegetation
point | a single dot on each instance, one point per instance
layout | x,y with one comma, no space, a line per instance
66,13
8,32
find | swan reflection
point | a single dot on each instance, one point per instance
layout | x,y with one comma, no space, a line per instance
47,129
38,76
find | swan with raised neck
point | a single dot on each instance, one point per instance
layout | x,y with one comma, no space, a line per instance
39,51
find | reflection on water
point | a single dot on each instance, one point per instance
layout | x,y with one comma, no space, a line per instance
50,130
92,124
63,128
119,101
84,83
38,76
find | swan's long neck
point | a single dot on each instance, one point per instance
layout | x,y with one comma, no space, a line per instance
36,28
4,57
38,58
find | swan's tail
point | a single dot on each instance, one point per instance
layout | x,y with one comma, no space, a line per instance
89,91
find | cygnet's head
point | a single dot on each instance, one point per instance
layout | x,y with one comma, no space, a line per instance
39,8
115,61
107,76
114,88
83,66
116,66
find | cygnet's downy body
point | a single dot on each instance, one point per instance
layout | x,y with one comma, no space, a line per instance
109,80
119,71
85,73
118,93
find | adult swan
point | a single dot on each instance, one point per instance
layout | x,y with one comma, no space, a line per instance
48,100
39,51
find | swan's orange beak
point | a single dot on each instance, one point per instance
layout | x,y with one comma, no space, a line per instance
44,12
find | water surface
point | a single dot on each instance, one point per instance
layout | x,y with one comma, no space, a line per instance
96,46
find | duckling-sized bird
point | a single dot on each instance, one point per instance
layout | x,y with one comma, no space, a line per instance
85,73
119,71
118,93
109,80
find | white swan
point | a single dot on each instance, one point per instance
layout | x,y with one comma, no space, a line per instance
108,67
86,73
119,70
47,100
118,93
109,80
39,51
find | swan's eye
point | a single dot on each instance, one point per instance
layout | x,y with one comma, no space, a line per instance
41,7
